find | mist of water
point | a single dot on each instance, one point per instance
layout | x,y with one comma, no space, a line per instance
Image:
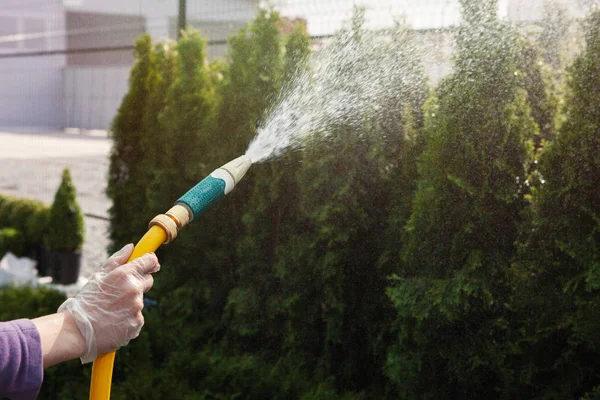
359,75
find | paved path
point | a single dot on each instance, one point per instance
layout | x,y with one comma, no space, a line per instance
31,166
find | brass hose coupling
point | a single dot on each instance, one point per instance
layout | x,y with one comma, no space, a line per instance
173,221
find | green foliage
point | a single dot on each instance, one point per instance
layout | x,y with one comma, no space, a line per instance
11,240
553,35
126,183
154,143
252,79
30,217
539,85
458,242
559,257
189,103
66,230
308,259
37,224
593,395
297,51
28,302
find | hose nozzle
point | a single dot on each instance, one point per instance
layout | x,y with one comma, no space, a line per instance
202,196
232,172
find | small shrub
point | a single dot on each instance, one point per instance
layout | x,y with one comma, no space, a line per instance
30,217
36,225
11,240
22,209
6,210
65,231
28,302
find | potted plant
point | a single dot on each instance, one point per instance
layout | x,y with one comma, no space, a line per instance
65,233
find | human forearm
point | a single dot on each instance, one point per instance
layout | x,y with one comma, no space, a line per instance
60,337
104,316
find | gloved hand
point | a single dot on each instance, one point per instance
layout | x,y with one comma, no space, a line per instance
108,309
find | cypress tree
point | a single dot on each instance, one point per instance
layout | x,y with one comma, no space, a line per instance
186,150
538,83
188,107
156,141
559,259
249,83
205,256
553,35
451,290
324,290
269,214
297,51
124,189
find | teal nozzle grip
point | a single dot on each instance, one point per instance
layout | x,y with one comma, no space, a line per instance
202,196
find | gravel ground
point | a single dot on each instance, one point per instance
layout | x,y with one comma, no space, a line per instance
31,165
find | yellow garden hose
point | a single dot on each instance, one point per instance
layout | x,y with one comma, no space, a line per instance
164,228
103,366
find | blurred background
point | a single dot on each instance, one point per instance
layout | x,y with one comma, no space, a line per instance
69,60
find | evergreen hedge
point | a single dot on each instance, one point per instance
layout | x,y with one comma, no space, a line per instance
126,174
29,217
559,261
283,290
11,240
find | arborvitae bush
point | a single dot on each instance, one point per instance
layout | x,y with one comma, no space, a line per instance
66,230
553,37
155,141
188,107
226,130
269,212
539,85
126,186
268,207
451,290
28,302
309,282
559,263
187,151
252,80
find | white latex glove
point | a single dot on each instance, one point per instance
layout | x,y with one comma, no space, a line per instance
108,309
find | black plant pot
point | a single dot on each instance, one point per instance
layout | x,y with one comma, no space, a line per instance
44,260
65,267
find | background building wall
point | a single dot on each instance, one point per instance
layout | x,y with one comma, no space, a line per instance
158,13
83,89
93,95
31,88
96,82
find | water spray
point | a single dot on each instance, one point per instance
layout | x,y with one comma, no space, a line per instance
163,229
354,77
